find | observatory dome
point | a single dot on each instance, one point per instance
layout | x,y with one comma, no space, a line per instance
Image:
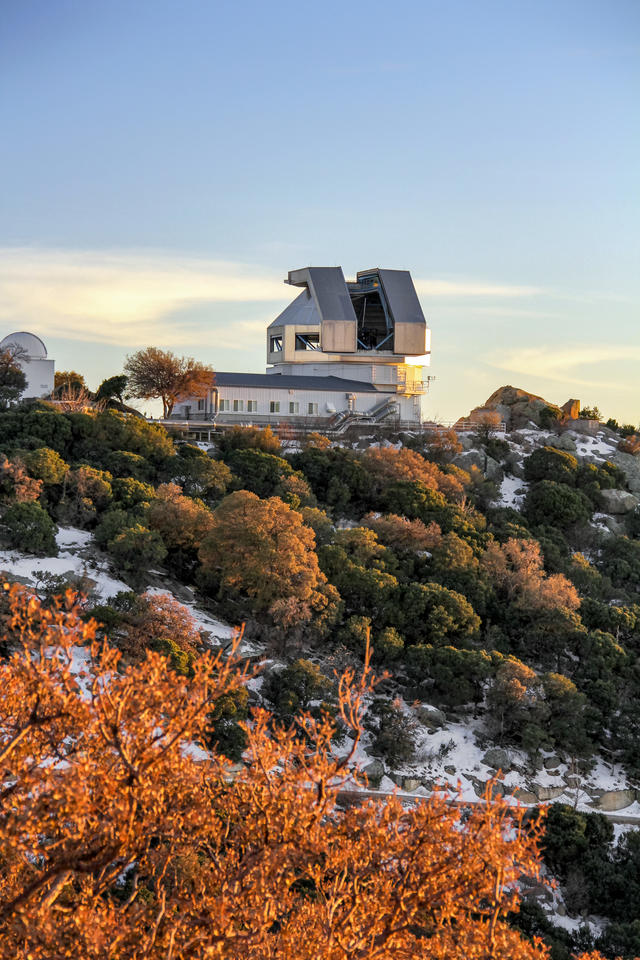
33,346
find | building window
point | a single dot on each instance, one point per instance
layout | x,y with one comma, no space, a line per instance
312,409
294,406
275,344
200,404
274,406
307,341
238,406
224,405
252,406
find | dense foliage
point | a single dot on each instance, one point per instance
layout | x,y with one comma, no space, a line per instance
531,617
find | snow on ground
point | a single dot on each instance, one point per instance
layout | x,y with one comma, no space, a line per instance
70,562
509,496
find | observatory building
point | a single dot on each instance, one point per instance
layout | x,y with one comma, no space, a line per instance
30,354
340,353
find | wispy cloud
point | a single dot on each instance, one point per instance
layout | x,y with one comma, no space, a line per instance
131,297
568,364
122,297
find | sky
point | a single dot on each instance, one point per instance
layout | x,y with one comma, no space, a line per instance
165,163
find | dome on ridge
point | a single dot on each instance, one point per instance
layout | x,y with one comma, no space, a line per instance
27,344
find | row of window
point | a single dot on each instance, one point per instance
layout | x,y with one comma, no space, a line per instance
303,341
238,406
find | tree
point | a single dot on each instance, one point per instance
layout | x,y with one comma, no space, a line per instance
557,504
113,388
547,463
155,373
15,484
135,549
182,522
117,839
26,526
65,381
401,533
12,378
46,465
516,568
485,423
263,550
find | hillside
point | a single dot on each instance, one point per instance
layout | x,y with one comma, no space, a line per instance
496,573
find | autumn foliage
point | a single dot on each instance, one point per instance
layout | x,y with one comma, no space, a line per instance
121,838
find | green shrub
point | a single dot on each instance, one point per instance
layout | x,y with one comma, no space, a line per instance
135,549
394,732
547,463
557,505
26,526
225,733
128,492
46,465
292,690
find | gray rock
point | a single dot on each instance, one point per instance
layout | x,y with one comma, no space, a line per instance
524,796
563,442
410,784
497,759
480,788
431,716
451,770
614,526
552,763
476,458
546,793
572,781
374,772
618,502
616,799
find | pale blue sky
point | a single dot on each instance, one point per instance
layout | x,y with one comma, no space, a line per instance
165,162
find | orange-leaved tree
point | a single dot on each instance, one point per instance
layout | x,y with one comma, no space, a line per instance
121,838
159,373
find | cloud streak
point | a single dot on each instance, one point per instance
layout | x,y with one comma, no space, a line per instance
568,364
129,297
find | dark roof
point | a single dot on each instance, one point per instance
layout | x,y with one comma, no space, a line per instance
285,381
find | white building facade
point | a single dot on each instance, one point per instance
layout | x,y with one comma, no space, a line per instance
340,353
31,356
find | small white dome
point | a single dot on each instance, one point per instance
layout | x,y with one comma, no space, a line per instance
33,346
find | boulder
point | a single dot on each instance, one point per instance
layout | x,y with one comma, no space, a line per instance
451,770
431,716
480,788
374,772
616,799
411,784
524,796
552,763
475,458
572,781
630,463
497,759
618,502
563,442
547,793
616,527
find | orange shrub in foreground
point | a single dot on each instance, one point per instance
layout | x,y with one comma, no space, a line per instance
116,842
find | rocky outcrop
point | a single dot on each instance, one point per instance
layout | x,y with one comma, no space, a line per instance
630,463
618,502
616,799
431,716
497,759
475,458
519,407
